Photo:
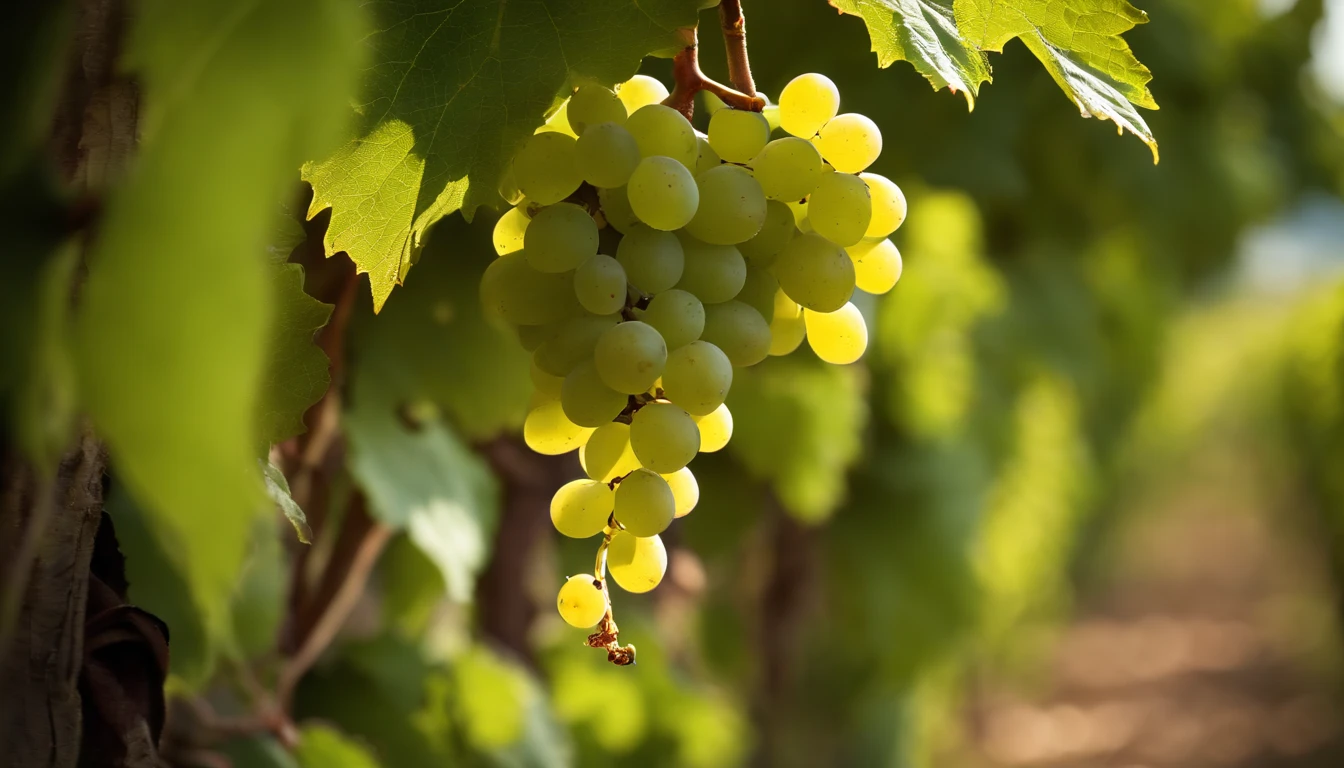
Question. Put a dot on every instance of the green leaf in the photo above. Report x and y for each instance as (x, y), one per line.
(277, 487)
(1079, 43)
(924, 33)
(454, 88)
(296, 369)
(321, 746)
(176, 308)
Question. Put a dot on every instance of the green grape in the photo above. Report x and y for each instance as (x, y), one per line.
(788, 168)
(640, 91)
(771, 115)
(630, 357)
(581, 601)
(840, 210)
(739, 331)
(877, 265)
(580, 508)
(587, 401)
(849, 142)
(664, 437)
(592, 104)
(788, 328)
(530, 337)
(838, 337)
(547, 168)
(888, 205)
(558, 122)
(600, 285)
(697, 377)
(653, 260)
(806, 103)
(779, 228)
(663, 132)
(716, 429)
(758, 292)
(607, 454)
(560, 238)
(644, 503)
(573, 342)
(816, 273)
(712, 103)
(677, 315)
(737, 135)
(544, 383)
(637, 564)
(616, 209)
(714, 273)
(731, 209)
(508, 234)
(519, 294)
(799, 211)
(549, 432)
(685, 491)
(706, 158)
(607, 155)
(663, 193)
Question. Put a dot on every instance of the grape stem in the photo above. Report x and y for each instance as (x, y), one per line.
(688, 80)
(734, 26)
(607, 636)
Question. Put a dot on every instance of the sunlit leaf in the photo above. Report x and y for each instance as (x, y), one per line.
(322, 746)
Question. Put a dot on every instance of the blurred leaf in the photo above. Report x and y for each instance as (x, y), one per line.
(321, 746)
(277, 487)
(176, 306)
(258, 752)
(296, 369)
(503, 713)
(412, 587)
(287, 233)
(797, 424)
(924, 33)
(453, 90)
(263, 589)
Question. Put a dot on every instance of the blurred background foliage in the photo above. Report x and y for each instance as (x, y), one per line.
(887, 552)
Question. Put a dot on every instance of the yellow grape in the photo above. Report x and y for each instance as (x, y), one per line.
(637, 564)
(581, 602)
(788, 328)
(607, 455)
(640, 91)
(580, 508)
(838, 337)
(888, 205)
(508, 234)
(685, 491)
(877, 265)
(547, 431)
(849, 142)
(807, 103)
(716, 429)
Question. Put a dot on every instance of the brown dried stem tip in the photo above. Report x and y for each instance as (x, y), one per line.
(689, 79)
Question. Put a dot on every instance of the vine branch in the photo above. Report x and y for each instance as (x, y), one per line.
(734, 26)
(689, 80)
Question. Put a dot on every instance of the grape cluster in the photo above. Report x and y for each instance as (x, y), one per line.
(643, 261)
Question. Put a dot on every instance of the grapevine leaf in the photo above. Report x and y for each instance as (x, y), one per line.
(454, 88)
(170, 343)
(277, 487)
(1079, 43)
(295, 374)
(924, 33)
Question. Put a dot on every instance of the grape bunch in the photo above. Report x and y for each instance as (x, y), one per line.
(643, 261)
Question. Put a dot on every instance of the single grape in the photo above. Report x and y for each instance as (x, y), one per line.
(788, 328)
(663, 132)
(840, 210)
(580, 508)
(888, 205)
(663, 193)
(758, 292)
(509, 229)
(607, 455)
(714, 273)
(640, 91)
(519, 294)
(587, 401)
(838, 337)
(592, 104)
(544, 383)
(549, 432)
(637, 564)
(653, 259)
(530, 337)
(787, 169)
(697, 377)
(849, 142)
(706, 158)
(676, 314)
(600, 285)
(779, 228)
(644, 503)
(807, 103)
(607, 155)
(581, 601)
(664, 437)
(630, 357)
(816, 273)
(731, 209)
(616, 210)
(737, 135)
(573, 343)
(558, 122)
(560, 238)
(877, 265)
(739, 331)
(547, 168)
(685, 491)
(716, 429)
(771, 115)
